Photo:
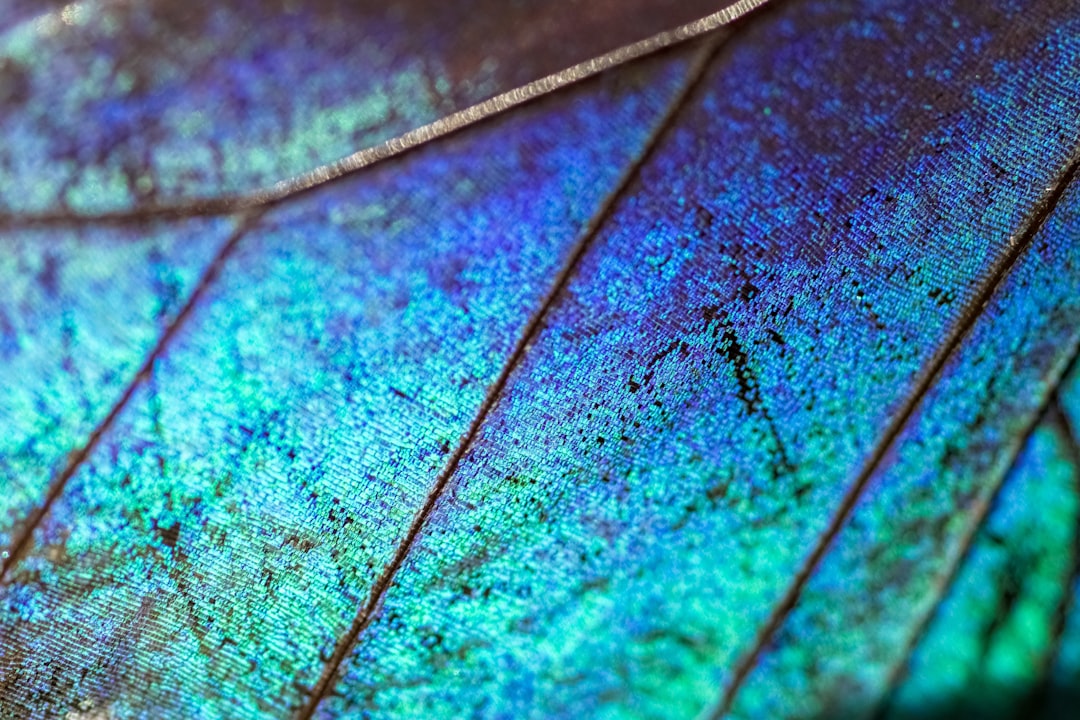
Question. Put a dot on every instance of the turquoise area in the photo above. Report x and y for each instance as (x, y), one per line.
(223, 535)
(758, 306)
(722, 364)
(80, 310)
(992, 639)
(846, 637)
(1065, 672)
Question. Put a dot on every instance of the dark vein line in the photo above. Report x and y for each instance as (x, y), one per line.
(400, 144)
(367, 612)
(978, 516)
(202, 208)
(22, 538)
(1072, 449)
(1062, 418)
(1069, 599)
(928, 378)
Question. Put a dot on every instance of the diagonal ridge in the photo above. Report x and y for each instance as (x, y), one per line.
(203, 208)
(400, 144)
(924, 383)
(22, 537)
(1050, 408)
(367, 612)
(1069, 598)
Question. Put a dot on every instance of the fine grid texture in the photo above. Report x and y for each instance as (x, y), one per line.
(633, 508)
(664, 510)
(228, 526)
(367, 611)
(993, 639)
(886, 568)
(74, 337)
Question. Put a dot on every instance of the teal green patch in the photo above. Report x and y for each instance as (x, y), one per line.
(845, 640)
(992, 638)
(221, 538)
(80, 311)
(722, 366)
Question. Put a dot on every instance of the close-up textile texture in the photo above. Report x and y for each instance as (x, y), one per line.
(521, 359)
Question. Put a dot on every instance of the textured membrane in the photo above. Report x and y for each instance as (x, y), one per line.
(219, 539)
(550, 417)
(717, 373)
(109, 104)
(79, 311)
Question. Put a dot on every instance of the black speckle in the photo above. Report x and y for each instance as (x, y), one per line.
(169, 535)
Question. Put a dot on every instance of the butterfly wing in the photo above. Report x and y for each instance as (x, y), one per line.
(236, 508)
(994, 647)
(193, 105)
(631, 403)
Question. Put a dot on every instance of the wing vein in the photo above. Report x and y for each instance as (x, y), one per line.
(925, 382)
(22, 537)
(1049, 408)
(368, 611)
(1069, 598)
(401, 144)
